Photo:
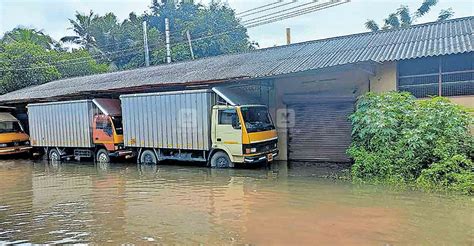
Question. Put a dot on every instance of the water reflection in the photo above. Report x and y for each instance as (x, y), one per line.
(120, 203)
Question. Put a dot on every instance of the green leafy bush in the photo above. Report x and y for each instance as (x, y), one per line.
(397, 138)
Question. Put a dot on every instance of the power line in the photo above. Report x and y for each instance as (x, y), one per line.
(296, 13)
(128, 41)
(282, 11)
(96, 55)
(269, 8)
(88, 57)
(251, 22)
(259, 7)
(80, 60)
(103, 54)
(293, 14)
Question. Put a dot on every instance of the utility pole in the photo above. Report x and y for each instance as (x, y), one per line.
(167, 33)
(145, 45)
(190, 44)
(288, 36)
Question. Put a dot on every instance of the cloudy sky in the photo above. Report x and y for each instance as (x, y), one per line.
(51, 16)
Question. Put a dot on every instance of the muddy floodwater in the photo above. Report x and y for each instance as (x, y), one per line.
(277, 205)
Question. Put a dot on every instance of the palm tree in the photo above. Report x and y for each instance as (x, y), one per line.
(82, 26)
(404, 18)
(30, 36)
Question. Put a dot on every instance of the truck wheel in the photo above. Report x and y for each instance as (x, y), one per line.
(221, 160)
(148, 157)
(54, 155)
(102, 156)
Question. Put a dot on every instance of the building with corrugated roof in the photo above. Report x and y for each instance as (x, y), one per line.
(311, 87)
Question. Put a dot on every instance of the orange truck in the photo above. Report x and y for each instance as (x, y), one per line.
(13, 139)
(78, 129)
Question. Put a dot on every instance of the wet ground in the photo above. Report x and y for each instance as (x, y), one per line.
(279, 205)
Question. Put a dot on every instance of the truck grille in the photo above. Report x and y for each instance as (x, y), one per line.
(263, 146)
(17, 143)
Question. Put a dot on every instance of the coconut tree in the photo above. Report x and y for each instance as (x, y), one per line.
(404, 18)
(82, 26)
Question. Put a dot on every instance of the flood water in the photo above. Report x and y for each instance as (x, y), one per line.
(277, 205)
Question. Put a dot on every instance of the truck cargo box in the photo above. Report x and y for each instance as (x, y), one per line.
(168, 120)
(62, 124)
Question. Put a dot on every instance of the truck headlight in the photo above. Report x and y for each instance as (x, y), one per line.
(3, 145)
(27, 143)
(250, 150)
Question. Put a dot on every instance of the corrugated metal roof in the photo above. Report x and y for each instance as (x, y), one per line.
(430, 39)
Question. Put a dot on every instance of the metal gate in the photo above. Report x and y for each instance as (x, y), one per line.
(321, 131)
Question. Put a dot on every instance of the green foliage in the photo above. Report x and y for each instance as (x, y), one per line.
(454, 173)
(30, 57)
(78, 63)
(215, 27)
(397, 138)
(24, 64)
(25, 35)
(404, 18)
(372, 25)
(445, 14)
(122, 43)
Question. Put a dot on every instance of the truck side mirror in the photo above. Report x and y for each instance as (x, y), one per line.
(235, 122)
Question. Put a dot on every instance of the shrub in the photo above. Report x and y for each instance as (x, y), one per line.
(399, 138)
(455, 173)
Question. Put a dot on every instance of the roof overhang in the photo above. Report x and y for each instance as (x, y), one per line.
(367, 67)
(108, 106)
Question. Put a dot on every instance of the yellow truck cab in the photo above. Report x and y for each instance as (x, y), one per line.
(245, 132)
(13, 139)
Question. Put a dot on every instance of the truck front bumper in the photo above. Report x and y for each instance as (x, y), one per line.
(14, 150)
(262, 157)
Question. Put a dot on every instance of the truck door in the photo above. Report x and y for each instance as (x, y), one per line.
(228, 132)
(103, 132)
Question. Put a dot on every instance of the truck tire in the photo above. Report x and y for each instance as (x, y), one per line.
(102, 156)
(148, 157)
(221, 160)
(54, 155)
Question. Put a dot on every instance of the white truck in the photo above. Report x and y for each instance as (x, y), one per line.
(193, 126)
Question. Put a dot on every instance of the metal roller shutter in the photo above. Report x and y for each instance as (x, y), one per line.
(321, 132)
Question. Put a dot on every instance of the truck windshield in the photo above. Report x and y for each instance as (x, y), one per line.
(10, 127)
(257, 119)
(117, 120)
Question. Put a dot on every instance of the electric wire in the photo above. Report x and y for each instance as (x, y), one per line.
(268, 9)
(296, 13)
(281, 11)
(258, 8)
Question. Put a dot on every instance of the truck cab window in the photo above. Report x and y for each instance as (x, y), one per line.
(257, 119)
(229, 117)
(105, 125)
(118, 124)
(10, 127)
